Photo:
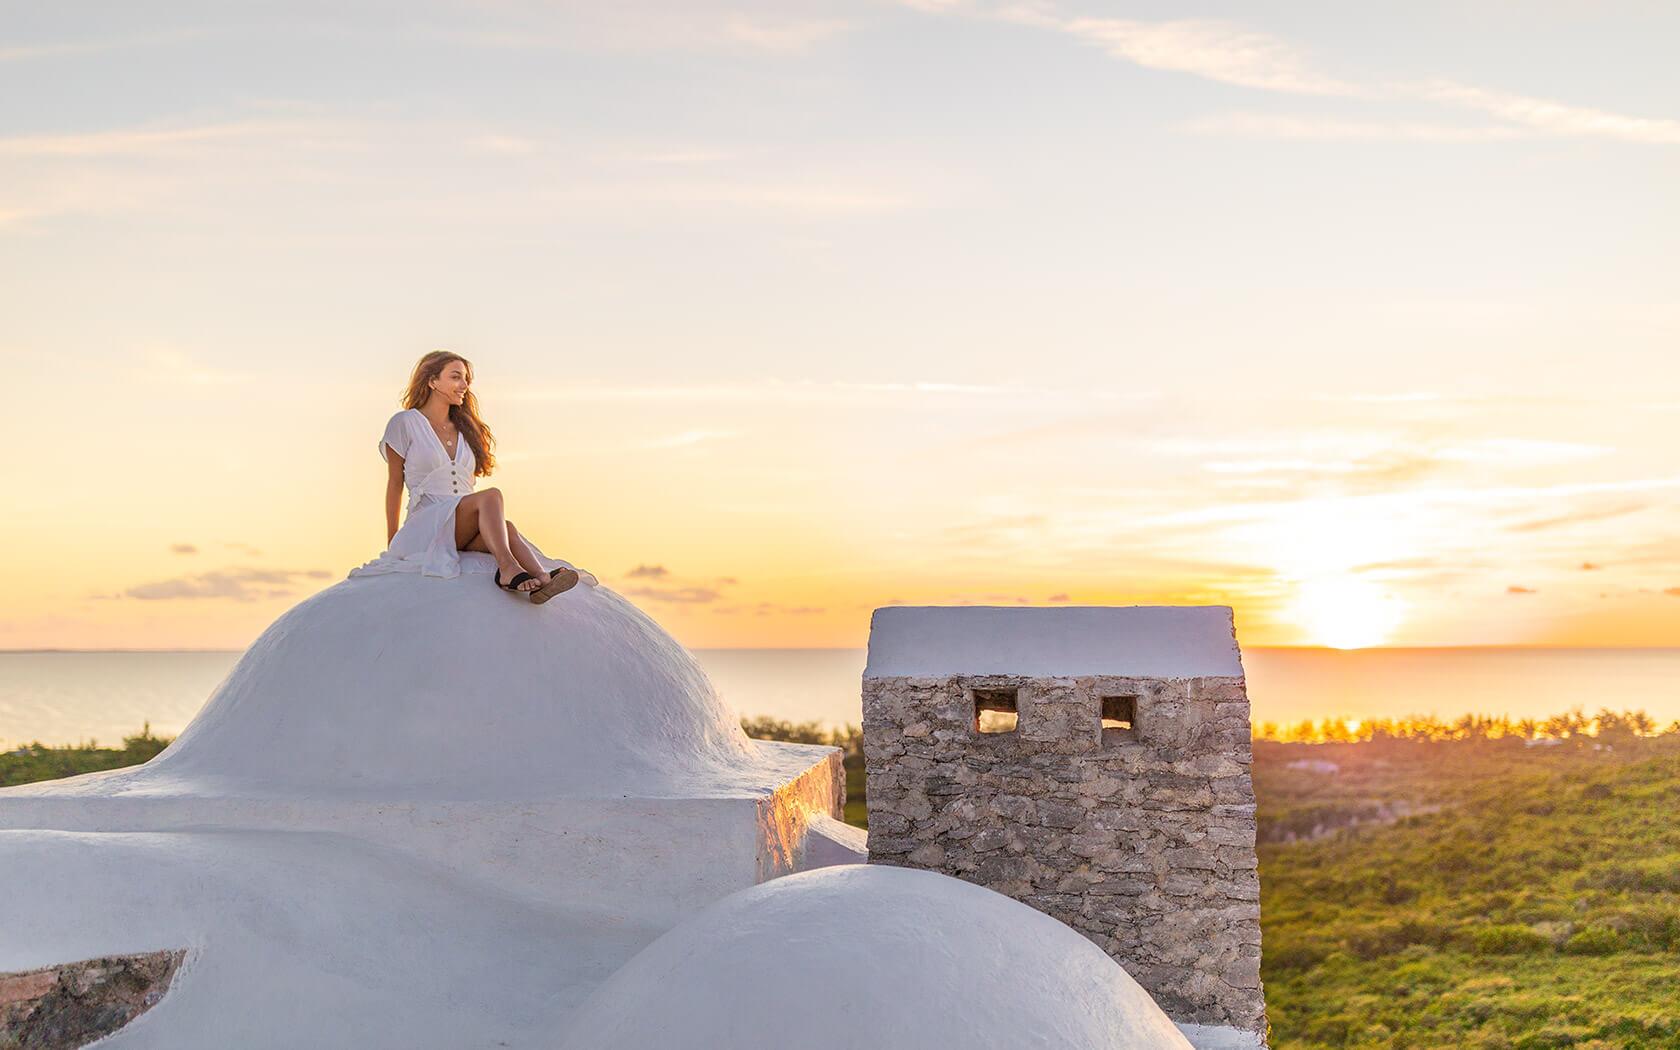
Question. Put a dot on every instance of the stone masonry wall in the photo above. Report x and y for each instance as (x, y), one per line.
(1142, 839)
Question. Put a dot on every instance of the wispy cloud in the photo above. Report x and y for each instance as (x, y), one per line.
(677, 595)
(782, 35)
(635, 27)
(1217, 50)
(1518, 589)
(237, 584)
(173, 367)
(687, 438)
(770, 609)
(647, 572)
(1555, 118)
(1578, 517)
(182, 548)
(835, 392)
(1230, 53)
(1322, 129)
(142, 140)
(74, 48)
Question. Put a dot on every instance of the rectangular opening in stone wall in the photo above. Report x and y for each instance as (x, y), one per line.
(1119, 717)
(994, 710)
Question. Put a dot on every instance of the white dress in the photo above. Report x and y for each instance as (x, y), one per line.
(435, 483)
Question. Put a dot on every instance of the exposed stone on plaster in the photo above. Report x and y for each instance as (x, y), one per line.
(1141, 841)
(73, 1004)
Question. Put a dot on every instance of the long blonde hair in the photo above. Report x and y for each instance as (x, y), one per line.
(474, 431)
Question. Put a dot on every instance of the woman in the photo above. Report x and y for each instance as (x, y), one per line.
(436, 447)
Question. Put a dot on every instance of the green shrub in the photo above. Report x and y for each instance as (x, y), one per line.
(1507, 939)
(1594, 940)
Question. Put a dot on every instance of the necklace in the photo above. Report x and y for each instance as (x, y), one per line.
(456, 432)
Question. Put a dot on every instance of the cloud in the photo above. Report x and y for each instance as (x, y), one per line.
(647, 572)
(1319, 129)
(1229, 53)
(830, 392)
(145, 141)
(1576, 517)
(782, 35)
(153, 167)
(1209, 48)
(678, 595)
(1521, 452)
(1058, 598)
(175, 369)
(771, 609)
(1672, 592)
(687, 438)
(1555, 118)
(183, 548)
(237, 584)
(1387, 466)
(635, 27)
(1515, 589)
(1588, 566)
(32, 52)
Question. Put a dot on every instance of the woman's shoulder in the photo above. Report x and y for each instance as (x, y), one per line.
(402, 415)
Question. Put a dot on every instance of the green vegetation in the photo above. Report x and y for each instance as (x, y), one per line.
(1533, 900)
(36, 761)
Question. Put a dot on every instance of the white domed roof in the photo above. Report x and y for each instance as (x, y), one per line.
(420, 687)
(871, 956)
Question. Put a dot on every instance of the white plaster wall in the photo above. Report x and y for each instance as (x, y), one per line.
(303, 940)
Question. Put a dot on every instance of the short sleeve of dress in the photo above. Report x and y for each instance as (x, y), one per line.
(397, 435)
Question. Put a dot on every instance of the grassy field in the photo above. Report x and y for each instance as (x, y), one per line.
(1414, 893)
(1535, 902)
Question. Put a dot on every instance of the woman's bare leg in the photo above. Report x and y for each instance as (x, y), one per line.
(521, 552)
(480, 515)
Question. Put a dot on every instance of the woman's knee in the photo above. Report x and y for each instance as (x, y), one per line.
(490, 495)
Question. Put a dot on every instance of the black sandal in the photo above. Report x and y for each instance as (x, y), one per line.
(511, 585)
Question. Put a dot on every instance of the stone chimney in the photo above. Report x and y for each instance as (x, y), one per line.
(1092, 763)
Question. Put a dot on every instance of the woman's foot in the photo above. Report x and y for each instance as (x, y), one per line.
(560, 581)
(505, 577)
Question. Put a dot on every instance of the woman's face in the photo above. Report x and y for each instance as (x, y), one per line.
(451, 383)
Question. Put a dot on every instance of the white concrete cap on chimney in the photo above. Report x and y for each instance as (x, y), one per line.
(1138, 641)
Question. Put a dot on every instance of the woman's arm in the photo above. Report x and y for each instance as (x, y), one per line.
(393, 491)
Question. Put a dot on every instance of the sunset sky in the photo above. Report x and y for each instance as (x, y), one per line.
(1362, 319)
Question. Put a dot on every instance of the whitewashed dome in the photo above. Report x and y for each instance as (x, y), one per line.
(871, 956)
(401, 685)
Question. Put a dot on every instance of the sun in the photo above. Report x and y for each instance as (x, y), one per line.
(1344, 612)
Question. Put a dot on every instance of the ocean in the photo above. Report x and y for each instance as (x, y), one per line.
(63, 697)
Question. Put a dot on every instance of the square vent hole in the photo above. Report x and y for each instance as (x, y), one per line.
(1119, 717)
(994, 710)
